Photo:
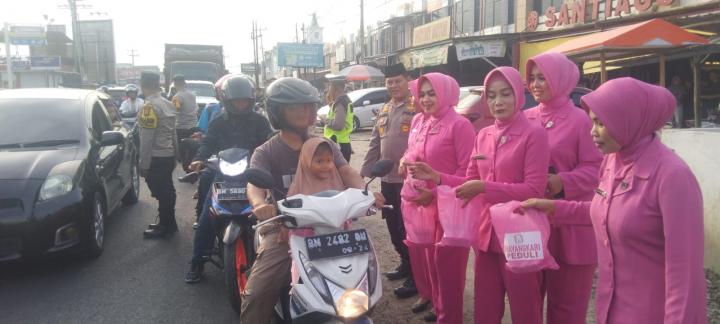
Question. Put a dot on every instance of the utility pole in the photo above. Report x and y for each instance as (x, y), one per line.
(8, 60)
(77, 37)
(132, 59)
(254, 37)
(362, 30)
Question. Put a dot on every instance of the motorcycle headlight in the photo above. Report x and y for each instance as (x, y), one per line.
(316, 279)
(233, 169)
(353, 303)
(55, 186)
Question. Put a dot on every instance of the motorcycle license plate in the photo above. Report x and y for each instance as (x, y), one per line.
(230, 193)
(337, 244)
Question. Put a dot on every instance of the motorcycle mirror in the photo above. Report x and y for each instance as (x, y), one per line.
(381, 168)
(259, 178)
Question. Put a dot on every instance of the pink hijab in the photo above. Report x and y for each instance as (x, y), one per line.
(562, 76)
(304, 181)
(511, 76)
(446, 89)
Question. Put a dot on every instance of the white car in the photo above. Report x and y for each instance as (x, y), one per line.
(204, 92)
(366, 104)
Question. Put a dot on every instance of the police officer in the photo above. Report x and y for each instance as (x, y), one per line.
(186, 105)
(388, 142)
(157, 152)
(339, 120)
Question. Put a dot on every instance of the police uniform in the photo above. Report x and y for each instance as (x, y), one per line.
(186, 106)
(339, 123)
(388, 142)
(156, 122)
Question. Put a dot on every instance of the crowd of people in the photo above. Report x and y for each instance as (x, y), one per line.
(619, 201)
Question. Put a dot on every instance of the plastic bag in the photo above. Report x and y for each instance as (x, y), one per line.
(460, 225)
(523, 235)
(420, 222)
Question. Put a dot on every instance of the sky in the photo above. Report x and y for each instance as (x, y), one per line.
(146, 26)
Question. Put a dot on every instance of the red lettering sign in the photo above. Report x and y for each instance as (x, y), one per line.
(575, 12)
(642, 6)
(622, 5)
(578, 11)
(550, 15)
(564, 17)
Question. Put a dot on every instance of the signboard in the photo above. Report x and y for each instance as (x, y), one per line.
(429, 33)
(27, 35)
(17, 65)
(39, 63)
(432, 56)
(247, 68)
(300, 55)
(588, 11)
(471, 50)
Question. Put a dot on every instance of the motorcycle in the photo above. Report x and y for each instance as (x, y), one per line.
(339, 277)
(234, 249)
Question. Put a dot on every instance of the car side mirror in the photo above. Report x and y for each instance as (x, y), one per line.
(110, 138)
(366, 102)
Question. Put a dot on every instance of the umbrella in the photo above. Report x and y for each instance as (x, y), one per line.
(361, 72)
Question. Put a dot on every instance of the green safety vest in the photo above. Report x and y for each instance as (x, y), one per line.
(343, 135)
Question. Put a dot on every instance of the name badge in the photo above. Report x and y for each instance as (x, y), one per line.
(549, 124)
(434, 130)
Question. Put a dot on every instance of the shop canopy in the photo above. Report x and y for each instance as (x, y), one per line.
(641, 38)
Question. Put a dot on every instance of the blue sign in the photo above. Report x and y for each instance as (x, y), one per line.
(45, 63)
(28, 41)
(300, 55)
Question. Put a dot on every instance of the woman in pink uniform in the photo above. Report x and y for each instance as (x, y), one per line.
(443, 139)
(572, 175)
(647, 212)
(509, 162)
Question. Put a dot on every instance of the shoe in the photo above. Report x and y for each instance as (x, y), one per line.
(407, 290)
(430, 317)
(195, 274)
(401, 272)
(420, 306)
(191, 177)
(158, 232)
(153, 226)
(195, 225)
(170, 229)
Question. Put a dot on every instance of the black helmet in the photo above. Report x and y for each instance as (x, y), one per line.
(287, 91)
(237, 87)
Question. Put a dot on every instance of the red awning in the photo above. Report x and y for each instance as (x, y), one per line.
(644, 37)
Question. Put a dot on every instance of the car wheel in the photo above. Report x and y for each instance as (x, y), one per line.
(95, 237)
(356, 124)
(133, 194)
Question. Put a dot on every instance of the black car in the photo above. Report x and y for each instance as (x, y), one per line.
(66, 162)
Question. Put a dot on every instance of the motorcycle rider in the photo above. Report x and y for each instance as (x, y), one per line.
(131, 105)
(237, 126)
(291, 105)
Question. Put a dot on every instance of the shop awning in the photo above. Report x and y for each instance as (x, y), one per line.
(645, 37)
(430, 56)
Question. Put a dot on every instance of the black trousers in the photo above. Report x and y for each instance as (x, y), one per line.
(393, 219)
(160, 182)
(346, 150)
(207, 177)
(183, 151)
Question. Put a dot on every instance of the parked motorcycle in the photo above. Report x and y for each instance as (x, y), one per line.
(339, 276)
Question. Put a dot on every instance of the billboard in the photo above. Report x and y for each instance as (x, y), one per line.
(45, 63)
(300, 55)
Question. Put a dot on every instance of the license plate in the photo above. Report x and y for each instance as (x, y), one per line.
(337, 244)
(231, 193)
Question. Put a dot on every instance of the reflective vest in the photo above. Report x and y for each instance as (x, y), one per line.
(343, 135)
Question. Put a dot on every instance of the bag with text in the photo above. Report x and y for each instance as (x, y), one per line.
(523, 235)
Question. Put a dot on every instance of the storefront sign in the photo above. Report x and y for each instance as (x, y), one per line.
(575, 12)
(432, 32)
(432, 5)
(471, 50)
(425, 57)
(27, 35)
(300, 55)
(247, 68)
(39, 63)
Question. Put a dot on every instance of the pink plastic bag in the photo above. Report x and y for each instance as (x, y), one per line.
(460, 225)
(523, 235)
(420, 222)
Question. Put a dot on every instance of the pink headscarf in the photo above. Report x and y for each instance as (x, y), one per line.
(446, 89)
(631, 110)
(561, 74)
(511, 76)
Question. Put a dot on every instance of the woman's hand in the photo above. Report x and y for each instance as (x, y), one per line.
(546, 206)
(424, 198)
(402, 167)
(554, 186)
(469, 190)
(422, 171)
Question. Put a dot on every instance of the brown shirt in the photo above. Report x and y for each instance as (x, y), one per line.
(389, 138)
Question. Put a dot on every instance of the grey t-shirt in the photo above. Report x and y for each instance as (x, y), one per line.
(281, 161)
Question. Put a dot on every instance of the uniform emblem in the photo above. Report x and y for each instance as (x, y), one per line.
(503, 139)
(405, 128)
(148, 118)
(549, 124)
(411, 104)
(176, 102)
(381, 130)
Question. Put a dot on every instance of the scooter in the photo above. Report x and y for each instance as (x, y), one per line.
(234, 251)
(339, 277)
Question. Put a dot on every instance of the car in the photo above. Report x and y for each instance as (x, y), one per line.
(67, 161)
(118, 94)
(366, 104)
(204, 92)
(470, 105)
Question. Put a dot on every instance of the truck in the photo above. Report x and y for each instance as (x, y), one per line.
(195, 62)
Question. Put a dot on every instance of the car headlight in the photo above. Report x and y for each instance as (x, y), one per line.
(353, 303)
(316, 279)
(55, 186)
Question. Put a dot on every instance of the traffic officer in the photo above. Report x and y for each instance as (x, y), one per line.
(157, 152)
(388, 141)
(339, 120)
(187, 116)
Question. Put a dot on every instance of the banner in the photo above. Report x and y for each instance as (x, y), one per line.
(44, 63)
(300, 55)
(432, 32)
(477, 49)
(425, 57)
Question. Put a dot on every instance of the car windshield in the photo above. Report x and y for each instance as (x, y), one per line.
(40, 122)
(201, 90)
